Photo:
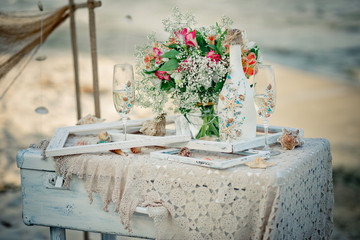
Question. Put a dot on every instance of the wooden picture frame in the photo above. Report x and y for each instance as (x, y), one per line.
(229, 147)
(57, 147)
(222, 161)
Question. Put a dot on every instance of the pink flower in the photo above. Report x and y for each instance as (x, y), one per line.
(213, 56)
(181, 34)
(162, 75)
(190, 39)
(157, 52)
(157, 55)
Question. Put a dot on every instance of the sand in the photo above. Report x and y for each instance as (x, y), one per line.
(322, 107)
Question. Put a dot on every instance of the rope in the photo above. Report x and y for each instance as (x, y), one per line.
(234, 37)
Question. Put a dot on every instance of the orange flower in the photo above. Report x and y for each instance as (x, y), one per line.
(251, 71)
(227, 47)
(211, 40)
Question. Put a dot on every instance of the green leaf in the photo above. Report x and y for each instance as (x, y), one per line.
(223, 34)
(201, 42)
(219, 47)
(150, 72)
(172, 46)
(170, 54)
(167, 85)
(169, 65)
(214, 48)
(219, 86)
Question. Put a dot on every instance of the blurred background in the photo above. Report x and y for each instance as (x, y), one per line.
(314, 46)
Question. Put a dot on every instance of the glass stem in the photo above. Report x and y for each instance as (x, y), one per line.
(124, 119)
(266, 130)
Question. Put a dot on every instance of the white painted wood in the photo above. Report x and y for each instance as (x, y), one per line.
(109, 237)
(236, 146)
(59, 138)
(71, 208)
(31, 159)
(134, 141)
(57, 233)
(237, 159)
(56, 145)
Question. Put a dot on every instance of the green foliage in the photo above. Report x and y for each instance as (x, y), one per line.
(170, 54)
(169, 65)
(201, 42)
(167, 85)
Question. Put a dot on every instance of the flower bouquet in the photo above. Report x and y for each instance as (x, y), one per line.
(190, 67)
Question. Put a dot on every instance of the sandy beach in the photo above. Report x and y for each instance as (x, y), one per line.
(313, 47)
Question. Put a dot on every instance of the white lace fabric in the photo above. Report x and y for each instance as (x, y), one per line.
(291, 200)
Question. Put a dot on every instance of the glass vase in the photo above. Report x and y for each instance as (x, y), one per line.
(204, 123)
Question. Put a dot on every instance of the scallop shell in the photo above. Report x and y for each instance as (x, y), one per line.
(259, 163)
(81, 143)
(290, 139)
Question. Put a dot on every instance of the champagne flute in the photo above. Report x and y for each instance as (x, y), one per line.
(123, 91)
(265, 99)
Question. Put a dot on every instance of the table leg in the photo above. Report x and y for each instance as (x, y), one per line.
(57, 233)
(109, 237)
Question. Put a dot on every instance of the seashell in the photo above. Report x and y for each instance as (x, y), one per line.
(221, 97)
(290, 139)
(269, 87)
(259, 163)
(128, 84)
(81, 143)
(119, 151)
(230, 120)
(155, 127)
(104, 136)
(136, 150)
(185, 152)
(242, 97)
(89, 119)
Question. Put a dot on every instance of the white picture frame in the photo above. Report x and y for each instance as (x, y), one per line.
(57, 147)
(232, 159)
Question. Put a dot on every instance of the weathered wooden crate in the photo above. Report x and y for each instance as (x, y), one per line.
(45, 204)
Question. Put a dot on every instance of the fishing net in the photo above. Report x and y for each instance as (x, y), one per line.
(21, 35)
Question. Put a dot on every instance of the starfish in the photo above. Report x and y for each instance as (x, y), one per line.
(227, 131)
(259, 163)
(232, 104)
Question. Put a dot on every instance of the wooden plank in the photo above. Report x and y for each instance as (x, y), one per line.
(59, 139)
(112, 125)
(138, 141)
(56, 146)
(109, 237)
(57, 233)
(224, 160)
(31, 159)
(71, 208)
(205, 145)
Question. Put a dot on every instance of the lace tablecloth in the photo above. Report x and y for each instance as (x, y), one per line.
(291, 200)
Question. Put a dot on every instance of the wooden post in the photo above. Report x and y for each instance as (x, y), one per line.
(109, 237)
(75, 57)
(91, 7)
(57, 233)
